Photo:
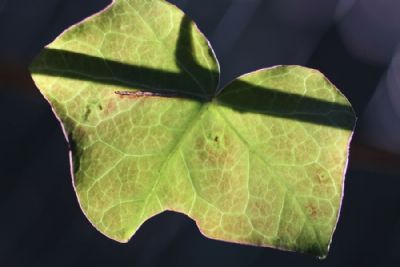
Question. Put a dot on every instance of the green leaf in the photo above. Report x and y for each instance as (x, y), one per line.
(259, 162)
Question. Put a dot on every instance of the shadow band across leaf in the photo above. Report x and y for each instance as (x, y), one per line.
(242, 96)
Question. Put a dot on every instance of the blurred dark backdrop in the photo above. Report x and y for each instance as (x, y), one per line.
(354, 42)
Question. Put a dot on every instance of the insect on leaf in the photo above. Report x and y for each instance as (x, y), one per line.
(259, 162)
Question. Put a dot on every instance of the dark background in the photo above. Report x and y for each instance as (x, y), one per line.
(354, 42)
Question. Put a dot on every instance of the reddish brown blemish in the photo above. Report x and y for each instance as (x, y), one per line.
(199, 144)
(110, 107)
(79, 133)
(320, 178)
(312, 210)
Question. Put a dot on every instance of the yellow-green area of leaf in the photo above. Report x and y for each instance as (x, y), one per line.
(260, 162)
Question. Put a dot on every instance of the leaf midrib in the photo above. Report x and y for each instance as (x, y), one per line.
(195, 119)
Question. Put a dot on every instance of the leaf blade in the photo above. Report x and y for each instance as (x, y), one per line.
(147, 136)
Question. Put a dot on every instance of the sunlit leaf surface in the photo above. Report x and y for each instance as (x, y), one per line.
(260, 162)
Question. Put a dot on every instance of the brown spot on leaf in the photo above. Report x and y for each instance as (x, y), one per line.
(199, 144)
(79, 133)
(321, 178)
(110, 107)
(87, 113)
(312, 210)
